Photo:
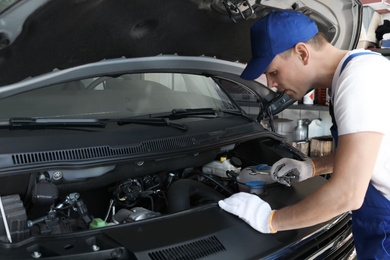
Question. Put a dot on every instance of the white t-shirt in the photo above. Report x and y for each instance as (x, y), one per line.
(361, 101)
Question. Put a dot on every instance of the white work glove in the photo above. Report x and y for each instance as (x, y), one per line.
(250, 208)
(288, 170)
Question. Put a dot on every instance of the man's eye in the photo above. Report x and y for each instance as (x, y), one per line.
(273, 73)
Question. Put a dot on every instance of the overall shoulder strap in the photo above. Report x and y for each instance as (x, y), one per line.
(350, 57)
(333, 129)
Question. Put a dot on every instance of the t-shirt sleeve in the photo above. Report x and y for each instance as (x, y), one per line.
(362, 99)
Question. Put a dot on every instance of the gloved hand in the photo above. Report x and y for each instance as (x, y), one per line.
(289, 170)
(250, 208)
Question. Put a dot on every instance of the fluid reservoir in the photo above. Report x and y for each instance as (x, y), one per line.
(220, 167)
(253, 179)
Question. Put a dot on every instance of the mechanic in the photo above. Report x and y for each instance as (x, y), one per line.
(295, 57)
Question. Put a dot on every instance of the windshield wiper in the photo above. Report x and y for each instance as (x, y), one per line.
(166, 118)
(161, 119)
(183, 113)
(31, 123)
(152, 121)
(199, 112)
(179, 113)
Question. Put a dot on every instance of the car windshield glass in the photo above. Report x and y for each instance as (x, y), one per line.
(129, 95)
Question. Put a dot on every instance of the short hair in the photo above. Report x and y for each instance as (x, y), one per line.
(317, 42)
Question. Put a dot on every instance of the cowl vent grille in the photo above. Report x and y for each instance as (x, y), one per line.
(62, 155)
(191, 251)
(100, 152)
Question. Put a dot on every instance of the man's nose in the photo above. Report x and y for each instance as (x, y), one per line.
(271, 83)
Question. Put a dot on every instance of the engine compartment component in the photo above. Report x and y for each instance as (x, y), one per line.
(13, 219)
(49, 209)
(135, 214)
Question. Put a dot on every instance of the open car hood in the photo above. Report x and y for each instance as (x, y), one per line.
(42, 35)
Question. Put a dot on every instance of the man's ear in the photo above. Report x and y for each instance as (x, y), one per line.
(302, 51)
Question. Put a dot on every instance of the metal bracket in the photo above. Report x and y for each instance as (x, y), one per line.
(238, 6)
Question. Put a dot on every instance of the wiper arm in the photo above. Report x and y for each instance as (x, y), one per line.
(200, 112)
(161, 119)
(31, 123)
(178, 113)
(153, 121)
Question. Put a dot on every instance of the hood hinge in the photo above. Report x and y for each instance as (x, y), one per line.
(238, 6)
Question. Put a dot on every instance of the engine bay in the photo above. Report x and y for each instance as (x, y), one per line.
(67, 201)
(158, 209)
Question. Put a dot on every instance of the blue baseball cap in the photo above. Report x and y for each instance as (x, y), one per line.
(274, 34)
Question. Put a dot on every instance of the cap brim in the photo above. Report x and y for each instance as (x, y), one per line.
(256, 67)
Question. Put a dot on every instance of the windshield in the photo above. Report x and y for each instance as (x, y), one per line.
(129, 95)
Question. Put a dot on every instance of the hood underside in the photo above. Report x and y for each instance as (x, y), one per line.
(53, 34)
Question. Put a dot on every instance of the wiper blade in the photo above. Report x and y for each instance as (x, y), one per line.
(200, 112)
(153, 121)
(30, 123)
(178, 113)
(161, 119)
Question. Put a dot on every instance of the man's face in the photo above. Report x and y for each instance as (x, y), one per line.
(288, 76)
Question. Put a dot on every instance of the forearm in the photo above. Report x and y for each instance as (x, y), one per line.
(324, 164)
(321, 206)
(353, 167)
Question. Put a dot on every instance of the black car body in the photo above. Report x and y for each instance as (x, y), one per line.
(111, 112)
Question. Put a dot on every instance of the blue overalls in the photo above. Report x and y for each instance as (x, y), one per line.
(370, 223)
